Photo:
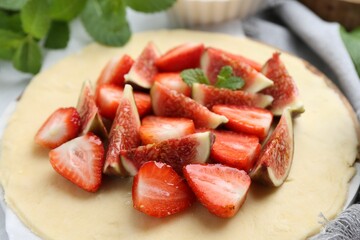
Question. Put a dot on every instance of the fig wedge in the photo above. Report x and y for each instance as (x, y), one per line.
(275, 159)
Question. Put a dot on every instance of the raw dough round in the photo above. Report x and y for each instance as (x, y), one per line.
(53, 208)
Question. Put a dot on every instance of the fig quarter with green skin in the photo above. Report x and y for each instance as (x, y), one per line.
(284, 90)
(124, 133)
(275, 159)
(209, 96)
(143, 70)
(169, 103)
(176, 152)
(91, 120)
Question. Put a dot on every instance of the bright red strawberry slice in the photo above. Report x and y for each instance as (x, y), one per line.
(173, 81)
(177, 152)
(251, 120)
(235, 149)
(213, 60)
(181, 57)
(155, 129)
(159, 191)
(221, 189)
(115, 70)
(61, 126)
(284, 90)
(108, 97)
(169, 103)
(143, 70)
(124, 133)
(80, 161)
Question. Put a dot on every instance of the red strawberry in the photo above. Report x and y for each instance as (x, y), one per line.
(235, 149)
(221, 189)
(80, 161)
(251, 120)
(61, 126)
(173, 81)
(108, 97)
(115, 70)
(159, 191)
(181, 57)
(156, 129)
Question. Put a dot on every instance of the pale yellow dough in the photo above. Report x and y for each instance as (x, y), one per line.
(53, 208)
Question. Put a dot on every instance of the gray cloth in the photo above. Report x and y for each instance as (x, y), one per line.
(294, 28)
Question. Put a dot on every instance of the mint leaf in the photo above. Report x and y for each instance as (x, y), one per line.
(226, 79)
(352, 44)
(58, 35)
(105, 21)
(28, 56)
(10, 22)
(35, 18)
(12, 4)
(191, 76)
(10, 41)
(149, 6)
(66, 10)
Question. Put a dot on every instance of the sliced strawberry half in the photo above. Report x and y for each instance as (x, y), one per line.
(177, 152)
(173, 81)
(221, 189)
(124, 133)
(143, 70)
(108, 97)
(155, 129)
(61, 126)
(159, 191)
(80, 161)
(181, 57)
(251, 120)
(115, 70)
(235, 149)
(213, 60)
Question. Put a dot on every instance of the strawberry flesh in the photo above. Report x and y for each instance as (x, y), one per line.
(115, 70)
(173, 81)
(80, 161)
(159, 191)
(155, 129)
(61, 126)
(221, 189)
(250, 120)
(181, 57)
(108, 97)
(235, 149)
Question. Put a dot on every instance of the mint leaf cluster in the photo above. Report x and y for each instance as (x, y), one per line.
(225, 78)
(27, 26)
(352, 43)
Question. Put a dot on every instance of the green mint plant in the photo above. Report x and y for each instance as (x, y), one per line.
(26, 26)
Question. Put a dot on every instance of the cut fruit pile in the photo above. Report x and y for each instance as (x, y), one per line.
(189, 125)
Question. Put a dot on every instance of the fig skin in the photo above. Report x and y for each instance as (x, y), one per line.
(279, 147)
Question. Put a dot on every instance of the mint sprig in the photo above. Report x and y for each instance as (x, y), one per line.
(352, 44)
(225, 78)
(191, 76)
(26, 26)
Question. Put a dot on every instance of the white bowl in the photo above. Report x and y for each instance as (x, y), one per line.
(187, 13)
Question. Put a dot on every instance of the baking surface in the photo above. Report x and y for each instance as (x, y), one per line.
(44, 200)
